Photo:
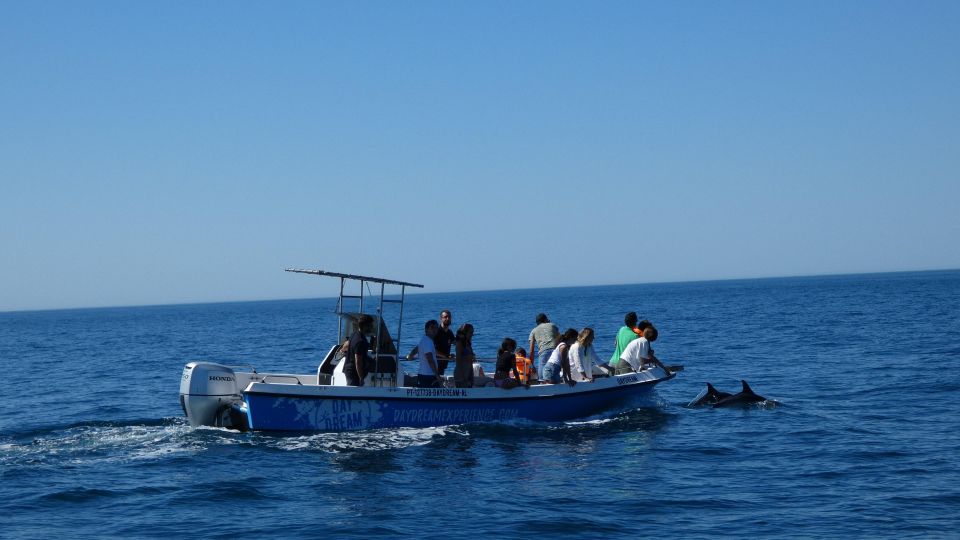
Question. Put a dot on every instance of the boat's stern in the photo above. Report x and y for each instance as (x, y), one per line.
(210, 396)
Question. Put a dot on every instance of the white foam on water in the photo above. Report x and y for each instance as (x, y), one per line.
(384, 439)
(86, 445)
(594, 422)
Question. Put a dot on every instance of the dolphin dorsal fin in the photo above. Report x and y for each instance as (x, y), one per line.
(746, 388)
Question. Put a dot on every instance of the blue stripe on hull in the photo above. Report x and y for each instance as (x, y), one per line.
(275, 412)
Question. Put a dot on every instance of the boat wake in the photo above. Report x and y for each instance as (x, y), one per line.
(374, 440)
(97, 442)
(94, 443)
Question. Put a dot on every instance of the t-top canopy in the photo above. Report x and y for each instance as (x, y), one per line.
(352, 321)
(352, 276)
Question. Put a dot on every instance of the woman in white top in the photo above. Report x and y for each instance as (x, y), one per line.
(583, 357)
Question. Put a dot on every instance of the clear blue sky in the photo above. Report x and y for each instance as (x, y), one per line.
(166, 152)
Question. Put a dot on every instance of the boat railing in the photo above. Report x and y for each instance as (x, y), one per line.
(288, 377)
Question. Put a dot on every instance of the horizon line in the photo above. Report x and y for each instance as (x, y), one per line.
(255, 300)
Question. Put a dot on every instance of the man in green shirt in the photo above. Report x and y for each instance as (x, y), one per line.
(625, 335)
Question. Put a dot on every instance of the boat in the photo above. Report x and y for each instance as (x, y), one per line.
(241, 398)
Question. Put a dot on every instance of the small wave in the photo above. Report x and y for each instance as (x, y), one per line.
(700, 451)
(78, 495)
(588, 527)
(631, 421)
(766, 404)
(82, 495)
(225, 491)
(879, 454)
(701, 503)
(825, 475)
(812, 432)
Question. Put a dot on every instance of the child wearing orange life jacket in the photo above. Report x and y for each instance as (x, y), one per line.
(641, 326)
(525, 367)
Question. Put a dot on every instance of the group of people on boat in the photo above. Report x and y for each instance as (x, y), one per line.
(567, 357)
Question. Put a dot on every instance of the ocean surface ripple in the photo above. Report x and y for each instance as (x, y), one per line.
(863, 443)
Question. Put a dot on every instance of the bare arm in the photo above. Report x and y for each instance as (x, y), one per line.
(513, 366)
(359, 364)
(657, 362)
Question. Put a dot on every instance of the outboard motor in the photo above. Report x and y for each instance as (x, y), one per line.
(210, 396)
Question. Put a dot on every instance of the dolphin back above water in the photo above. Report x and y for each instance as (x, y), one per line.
(710, 396)
(745, 396)
(718, 398)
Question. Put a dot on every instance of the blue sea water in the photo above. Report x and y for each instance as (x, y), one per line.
(93, 443)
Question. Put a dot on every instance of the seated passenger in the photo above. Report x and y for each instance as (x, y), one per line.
(638, 353)
(506, 364)
(525, 367)
(557, 367)
(583, 357)
(463, 372)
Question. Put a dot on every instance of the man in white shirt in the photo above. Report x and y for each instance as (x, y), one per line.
(638, 353)
(428, 376)
(442, 341)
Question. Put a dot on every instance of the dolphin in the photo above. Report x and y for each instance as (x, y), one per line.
(710, 396)
(743, 398)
